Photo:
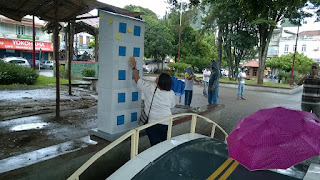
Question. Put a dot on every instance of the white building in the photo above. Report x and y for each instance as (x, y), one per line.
(308, 44)
(16, 38)
(283, 39)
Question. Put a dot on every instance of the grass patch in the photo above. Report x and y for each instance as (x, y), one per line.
(254, 82)
(41, 82)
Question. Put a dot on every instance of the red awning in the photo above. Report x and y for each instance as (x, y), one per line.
(18, 44)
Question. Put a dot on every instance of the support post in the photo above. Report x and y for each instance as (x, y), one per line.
(34, 45)
(96, 46)
(56, 57)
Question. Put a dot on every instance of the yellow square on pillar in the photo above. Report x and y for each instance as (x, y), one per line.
(101, 15)
(130, 30)
(118, 37)
(110, 20)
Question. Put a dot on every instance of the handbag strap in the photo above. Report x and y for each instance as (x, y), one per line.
(152, 101)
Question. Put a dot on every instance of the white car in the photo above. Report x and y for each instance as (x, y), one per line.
(46, 65)
(17, 60)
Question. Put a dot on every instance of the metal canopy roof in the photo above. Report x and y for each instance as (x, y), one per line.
(66, 9)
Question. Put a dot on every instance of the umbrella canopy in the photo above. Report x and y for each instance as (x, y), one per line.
(275, 138)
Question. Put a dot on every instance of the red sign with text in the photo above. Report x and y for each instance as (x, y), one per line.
(25, 45)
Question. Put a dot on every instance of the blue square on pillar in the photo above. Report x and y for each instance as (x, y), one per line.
(122, 74)
(120, 120)
(123, 27)
(133, 117)
(137, 30)
(136, 52)
(121, 97)
(138, 73)
(122, 51)
(135, 96)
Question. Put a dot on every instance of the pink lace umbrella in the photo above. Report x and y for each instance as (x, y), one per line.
(275, 138)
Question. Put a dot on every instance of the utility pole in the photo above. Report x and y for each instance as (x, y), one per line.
(294, 55)
(179, 33)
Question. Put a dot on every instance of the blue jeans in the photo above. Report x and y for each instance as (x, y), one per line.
(157, 133)
(188, 97)
(240, 90)
(213, 96)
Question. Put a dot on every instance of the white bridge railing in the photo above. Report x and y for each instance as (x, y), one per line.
(134, 134)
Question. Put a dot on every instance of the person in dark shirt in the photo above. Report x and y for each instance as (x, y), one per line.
(311, 91)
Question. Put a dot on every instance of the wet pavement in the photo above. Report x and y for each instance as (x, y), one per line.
(34, 132)
(46, 72)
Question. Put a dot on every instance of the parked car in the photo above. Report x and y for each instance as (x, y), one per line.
(37, 63)
(46, 65)
(17, 60)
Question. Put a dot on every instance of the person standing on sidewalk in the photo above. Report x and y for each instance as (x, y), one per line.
(213, 88)
(189, 78)
(311, 91)
(241, 83)
(206, 77)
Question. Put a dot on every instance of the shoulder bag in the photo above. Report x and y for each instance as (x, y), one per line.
(144, 119)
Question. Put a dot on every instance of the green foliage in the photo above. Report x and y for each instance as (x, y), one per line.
(88, 72)
(238, 36)
(63, 72)
(180, 67)
(284, 62)
(15, 74)
(286, 76)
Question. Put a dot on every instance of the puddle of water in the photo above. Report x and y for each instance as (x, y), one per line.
(29, 126)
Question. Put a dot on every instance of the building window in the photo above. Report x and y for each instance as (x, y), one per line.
(135, 96)
(255, 70)
(305, 22)
(121, 97)
(21, 30)
(123, 27)
(134, 117)
(286, 49)
(120, 120)
(88, 39)
(122, 75)
(136, 52)
(122, 51)
(137, 30)
(80, 39)
(304, 48)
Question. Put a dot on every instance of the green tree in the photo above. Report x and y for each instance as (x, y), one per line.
(158, 37)
(196, 47)
(284, 62)
(264, 15)
(236, 37)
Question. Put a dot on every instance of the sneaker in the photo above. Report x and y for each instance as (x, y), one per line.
(238, 98)
(243, 98)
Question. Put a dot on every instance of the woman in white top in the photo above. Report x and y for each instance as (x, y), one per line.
(163, 101)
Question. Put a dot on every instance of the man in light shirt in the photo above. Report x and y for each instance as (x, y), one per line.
(241, 83)
(206, 77)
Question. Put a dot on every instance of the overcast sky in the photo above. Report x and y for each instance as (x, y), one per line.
(158, 6)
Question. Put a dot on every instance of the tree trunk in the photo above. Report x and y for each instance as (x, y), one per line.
(265, 36)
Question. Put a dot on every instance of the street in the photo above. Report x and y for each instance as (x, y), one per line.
(79, 114)
(238, 109)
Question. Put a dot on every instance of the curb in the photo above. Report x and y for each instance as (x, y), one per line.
(281, 90)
